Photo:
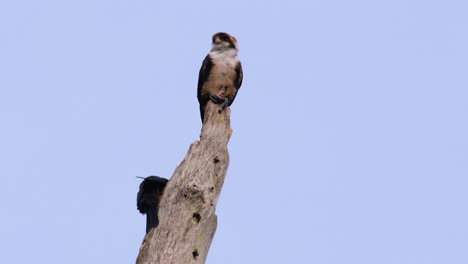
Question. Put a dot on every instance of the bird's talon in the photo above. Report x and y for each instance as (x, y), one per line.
(215, 99)
(223, 101)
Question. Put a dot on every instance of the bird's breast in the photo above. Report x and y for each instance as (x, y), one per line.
(222, 75)
(224, 60)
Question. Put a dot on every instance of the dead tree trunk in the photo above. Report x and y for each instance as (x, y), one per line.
(187, 219)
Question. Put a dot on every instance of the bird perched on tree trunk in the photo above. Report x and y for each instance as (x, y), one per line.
(148, 197)
(221, 74)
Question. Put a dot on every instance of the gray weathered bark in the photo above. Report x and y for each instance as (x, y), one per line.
(187, 219)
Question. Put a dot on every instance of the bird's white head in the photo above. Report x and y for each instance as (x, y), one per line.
(224, 42)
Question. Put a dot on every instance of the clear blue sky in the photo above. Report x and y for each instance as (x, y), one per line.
(350, 140)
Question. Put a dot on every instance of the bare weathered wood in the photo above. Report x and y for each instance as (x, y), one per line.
(187, 209)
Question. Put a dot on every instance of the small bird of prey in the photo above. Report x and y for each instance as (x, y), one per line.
(148, 197)
(221, 74)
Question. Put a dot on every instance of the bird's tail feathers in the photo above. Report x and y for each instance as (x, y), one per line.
(152, 220)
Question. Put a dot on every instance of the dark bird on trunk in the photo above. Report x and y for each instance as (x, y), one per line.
(148, 197)
(220, 75)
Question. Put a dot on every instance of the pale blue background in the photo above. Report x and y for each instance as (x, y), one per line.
(350, 140)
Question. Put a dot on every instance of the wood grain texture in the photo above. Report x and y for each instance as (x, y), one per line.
(187, 209)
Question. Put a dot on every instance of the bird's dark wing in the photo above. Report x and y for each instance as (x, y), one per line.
(237, 80)
(203, 76)
(239, 75)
